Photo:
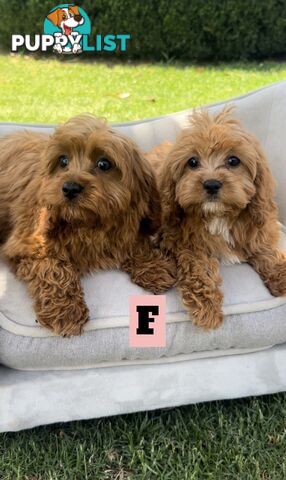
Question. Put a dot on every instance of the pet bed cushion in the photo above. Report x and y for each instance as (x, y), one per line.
(253, 318)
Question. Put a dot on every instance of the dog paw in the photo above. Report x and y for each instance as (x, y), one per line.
(66, 321)
(77, 48)
(276, 284)
(204, 305)
(208, 317)
(156, 276)
(58, 48)
(160, 278)
(165, 278)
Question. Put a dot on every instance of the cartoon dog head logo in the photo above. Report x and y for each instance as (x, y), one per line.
(66, 19)
(68, 23)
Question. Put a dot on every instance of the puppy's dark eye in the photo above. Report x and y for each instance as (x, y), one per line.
(63, 161)
(104, 164)
(193, 162)
(233, 161)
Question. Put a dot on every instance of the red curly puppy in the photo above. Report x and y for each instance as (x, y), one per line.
(82, 199)
(218, 204)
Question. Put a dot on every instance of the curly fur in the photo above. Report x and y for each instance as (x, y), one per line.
(239, 224)
(51, 241)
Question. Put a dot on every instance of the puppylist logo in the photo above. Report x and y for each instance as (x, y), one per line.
(67, 30)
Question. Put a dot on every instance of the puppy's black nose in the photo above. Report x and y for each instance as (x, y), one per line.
(212, 186)
(78, 18)
(71, 189)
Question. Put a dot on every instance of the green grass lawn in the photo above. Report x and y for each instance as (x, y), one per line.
(50, 91)
(242, 439)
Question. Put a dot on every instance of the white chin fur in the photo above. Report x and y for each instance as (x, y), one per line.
(213, 207)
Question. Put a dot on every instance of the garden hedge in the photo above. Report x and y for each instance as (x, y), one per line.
(195, 30)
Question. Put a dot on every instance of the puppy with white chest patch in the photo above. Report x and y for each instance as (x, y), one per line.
(218, 200)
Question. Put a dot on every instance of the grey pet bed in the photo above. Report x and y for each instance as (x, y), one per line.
(45, 378)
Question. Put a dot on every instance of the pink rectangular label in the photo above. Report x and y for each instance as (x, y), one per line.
(147, 326)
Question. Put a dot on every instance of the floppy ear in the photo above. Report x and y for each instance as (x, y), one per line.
(262, 203)
(172, 212)
(149, 193)
(74, 10)
(54, 16)
(158, 157)
(145, 198)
